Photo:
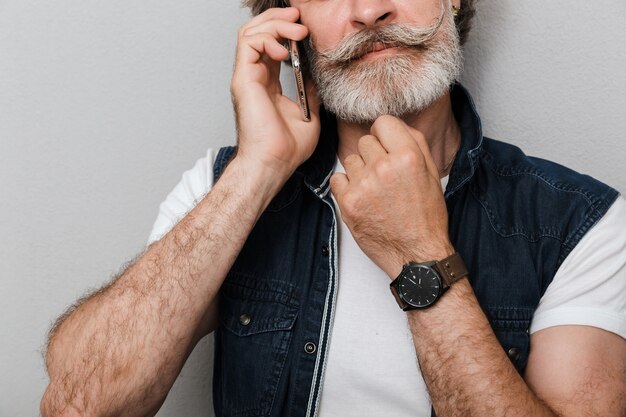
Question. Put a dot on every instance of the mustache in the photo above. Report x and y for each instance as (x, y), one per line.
(392, 35)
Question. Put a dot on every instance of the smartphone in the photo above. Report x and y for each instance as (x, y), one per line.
(296, 64)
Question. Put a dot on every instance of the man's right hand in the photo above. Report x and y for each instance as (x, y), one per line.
(119, 351)
(270, 128)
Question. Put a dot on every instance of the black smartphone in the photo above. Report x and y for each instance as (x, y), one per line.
(296, 64)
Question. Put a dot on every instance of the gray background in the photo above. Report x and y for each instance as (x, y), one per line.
(103, 105)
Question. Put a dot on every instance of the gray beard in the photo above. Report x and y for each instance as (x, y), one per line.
(399, 85)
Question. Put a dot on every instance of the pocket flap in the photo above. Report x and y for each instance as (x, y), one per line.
(511, 324)
(252, 306)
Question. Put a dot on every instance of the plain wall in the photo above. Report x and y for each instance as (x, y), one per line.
(103, 105)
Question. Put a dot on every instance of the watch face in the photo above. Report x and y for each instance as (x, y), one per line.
(419, 286)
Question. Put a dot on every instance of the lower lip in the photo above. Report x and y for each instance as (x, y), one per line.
(373, 55)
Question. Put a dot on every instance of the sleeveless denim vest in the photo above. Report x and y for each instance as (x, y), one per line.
(513, 219)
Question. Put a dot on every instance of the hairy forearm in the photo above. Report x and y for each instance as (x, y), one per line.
(465, 368)
(119, 352)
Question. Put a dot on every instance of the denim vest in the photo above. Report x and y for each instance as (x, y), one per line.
(513, 219)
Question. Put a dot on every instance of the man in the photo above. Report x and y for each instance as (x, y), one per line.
(291, 254)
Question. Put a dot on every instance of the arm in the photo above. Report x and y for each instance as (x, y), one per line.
(119, 352)
(579, 370)
(466, 370)
(572, 370)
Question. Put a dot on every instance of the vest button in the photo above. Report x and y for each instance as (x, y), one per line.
(513, 354)
(244, 319)
(309, 347)
(325, 250)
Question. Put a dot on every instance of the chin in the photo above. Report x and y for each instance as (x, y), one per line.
(395, 87)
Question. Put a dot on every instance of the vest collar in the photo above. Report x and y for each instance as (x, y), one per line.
(466, 159)
(319, 167)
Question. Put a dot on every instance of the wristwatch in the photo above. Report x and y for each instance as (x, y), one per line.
(420, 285)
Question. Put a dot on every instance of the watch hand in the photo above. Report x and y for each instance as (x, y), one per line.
(412, 281)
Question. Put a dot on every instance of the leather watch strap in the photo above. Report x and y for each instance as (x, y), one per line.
(451, 269)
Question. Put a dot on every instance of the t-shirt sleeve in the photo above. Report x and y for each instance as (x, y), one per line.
(191, 189)
(590, 286)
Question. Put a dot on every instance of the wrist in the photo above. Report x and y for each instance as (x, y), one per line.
(257, 179)
(424, 254)
(454, 300)
(420, 285)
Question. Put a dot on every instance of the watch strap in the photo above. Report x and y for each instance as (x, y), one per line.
(394, 290)
(451, 269)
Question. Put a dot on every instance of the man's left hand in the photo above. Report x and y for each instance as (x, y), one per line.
(391, 199)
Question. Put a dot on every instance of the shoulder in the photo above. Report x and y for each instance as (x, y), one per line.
(573, 298)
(536, 198)
(191, 188)
(507, 161)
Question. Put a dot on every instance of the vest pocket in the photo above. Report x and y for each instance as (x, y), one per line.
(511, 324)
(251, 344)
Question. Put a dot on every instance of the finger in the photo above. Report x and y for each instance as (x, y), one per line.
(291, 14)
(292, 107)
(398, 138)
(353, 164)
(280, 29)
(370, 149)
(420, 139)
(253, 48)
(254, 42)
(338, 185)
(274, 68)
(393, 134)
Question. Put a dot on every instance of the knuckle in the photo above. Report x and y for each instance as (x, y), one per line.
(350, 204)
(258, 41)
(368, 184)
(233, 91)
(235, 83)
(383, 168)
(243, 29)
(266, 37)
(410, 159)
(251, 31)
(335, 181)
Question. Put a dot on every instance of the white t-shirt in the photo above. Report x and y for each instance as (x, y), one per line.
(368, 328)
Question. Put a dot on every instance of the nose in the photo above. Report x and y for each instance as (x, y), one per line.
(371, 13)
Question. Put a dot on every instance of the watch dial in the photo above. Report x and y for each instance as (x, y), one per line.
(419, 286)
